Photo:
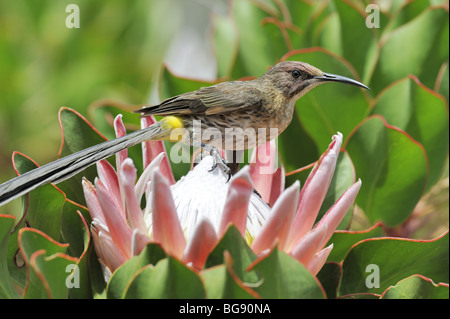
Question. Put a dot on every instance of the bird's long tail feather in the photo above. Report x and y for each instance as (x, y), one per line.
(70, 165)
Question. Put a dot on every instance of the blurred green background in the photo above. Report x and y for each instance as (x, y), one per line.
(141, 51)
(116, 53)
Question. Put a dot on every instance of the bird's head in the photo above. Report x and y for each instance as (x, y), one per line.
(294, 78)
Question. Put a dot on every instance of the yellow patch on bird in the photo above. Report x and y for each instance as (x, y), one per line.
(175, 125)
(171, 122)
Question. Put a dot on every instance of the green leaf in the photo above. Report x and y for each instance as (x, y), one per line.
(401, 55)
(442, 83)
(393, 168)
(48, 266)
(258, 48)
(75, 231)
(49, 276)
(45, 203)
(421, 113)
(346, 35)
(330, 32)
(219, 283)
(343, 241)
(282, 276)
(329, 277)
(169, 278)
(403, 13)
(47, 211)
(74, 228)
(240, 252)
(6, 288)
(304, 16)
(225, 40)
(416, 287)
(121, 278)
(77, 134)
(395, 259)
(15, 261)
(31, 240)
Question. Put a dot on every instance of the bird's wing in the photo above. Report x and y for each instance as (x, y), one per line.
(215, 99)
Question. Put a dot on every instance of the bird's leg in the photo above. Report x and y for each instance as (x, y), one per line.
(232, 157)
(217, 158)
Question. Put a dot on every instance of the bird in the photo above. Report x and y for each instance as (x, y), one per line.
(232, 115)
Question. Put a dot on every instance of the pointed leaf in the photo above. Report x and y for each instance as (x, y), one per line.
(48, 266)
(344, 240)
(416, 287)
(401, 55)
(248, 18)
(344, 34)
(329, 277)
(240, 252)
(45, 203)
(6, 287)
(393, 168)
(120, 279)
(77, 134)
(225, 44)
(410, 106)
(284, 277)
(169, 278)
(75, 231)
(219, 284)
(395, 259)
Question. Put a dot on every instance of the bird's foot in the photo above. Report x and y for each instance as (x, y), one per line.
(218, 160)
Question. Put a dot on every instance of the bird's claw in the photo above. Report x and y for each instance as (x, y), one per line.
(219, 160)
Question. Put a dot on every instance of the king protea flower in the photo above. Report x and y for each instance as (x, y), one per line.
(187, 218)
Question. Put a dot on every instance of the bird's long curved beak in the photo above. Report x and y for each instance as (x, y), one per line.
(328, 77)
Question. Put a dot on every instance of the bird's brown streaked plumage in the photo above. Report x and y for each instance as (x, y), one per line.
(220, 98)
(253, 107)
(265, 102)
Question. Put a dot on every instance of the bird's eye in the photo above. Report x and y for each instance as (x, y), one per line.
(295, 73)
